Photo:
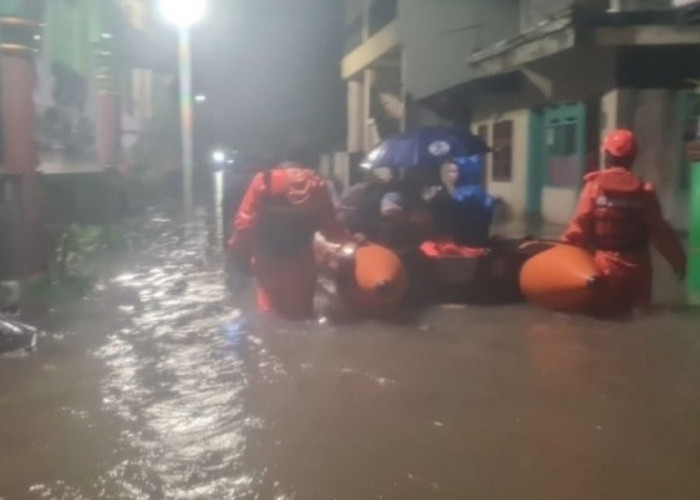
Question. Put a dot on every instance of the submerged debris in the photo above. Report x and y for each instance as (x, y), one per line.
(16, 335)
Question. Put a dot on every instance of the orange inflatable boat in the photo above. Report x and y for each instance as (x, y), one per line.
(477, 275)
(562, 277)
(366, 278)
(371, 279)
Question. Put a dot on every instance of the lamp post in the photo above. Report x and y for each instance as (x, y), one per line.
(184, 14)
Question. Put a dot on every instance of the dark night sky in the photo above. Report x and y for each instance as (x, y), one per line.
(270, 69)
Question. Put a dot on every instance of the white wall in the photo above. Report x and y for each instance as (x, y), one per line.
(436, 43)
(558, 204)
(514, 193)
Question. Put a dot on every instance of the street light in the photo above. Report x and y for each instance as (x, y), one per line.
(183, 14)
(218, 156)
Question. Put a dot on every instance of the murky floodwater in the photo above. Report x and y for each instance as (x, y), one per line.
(137, 393)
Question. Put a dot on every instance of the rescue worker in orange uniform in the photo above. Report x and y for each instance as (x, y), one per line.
(619, 217)
(275, 225)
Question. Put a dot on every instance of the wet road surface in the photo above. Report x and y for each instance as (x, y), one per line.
(137, 393)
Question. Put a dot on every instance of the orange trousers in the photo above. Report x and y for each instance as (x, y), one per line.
(628, 281)
(286, 285)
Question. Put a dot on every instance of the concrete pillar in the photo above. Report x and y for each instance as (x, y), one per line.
(368, 81)
(354, 116)
(19, 136)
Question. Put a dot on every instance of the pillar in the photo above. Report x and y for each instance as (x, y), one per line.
(355, 116)
(368, 84)
(107, 120)
(18, 37)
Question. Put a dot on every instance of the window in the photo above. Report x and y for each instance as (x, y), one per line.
(502, 170)
(690, 116)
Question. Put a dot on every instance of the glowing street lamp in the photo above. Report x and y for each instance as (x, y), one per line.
(218, 156)
(184, 14)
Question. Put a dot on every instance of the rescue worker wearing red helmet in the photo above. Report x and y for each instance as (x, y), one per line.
(619, 217)
(274, 229)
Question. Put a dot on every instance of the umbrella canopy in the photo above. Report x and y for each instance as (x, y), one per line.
(425, 147)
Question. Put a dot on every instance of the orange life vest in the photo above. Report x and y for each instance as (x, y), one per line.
(287, 220)
(619, 219)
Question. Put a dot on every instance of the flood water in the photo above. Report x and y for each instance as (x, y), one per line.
(137, 393)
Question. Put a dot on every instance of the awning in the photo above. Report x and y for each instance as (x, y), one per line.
(455, 102)
(579, 27)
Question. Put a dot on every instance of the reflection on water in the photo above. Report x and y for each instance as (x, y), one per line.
(154, 388)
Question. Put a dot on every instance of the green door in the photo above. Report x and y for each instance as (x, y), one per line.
(694, 236)
(557, 152)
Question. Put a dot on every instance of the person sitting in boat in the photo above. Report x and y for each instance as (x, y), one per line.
(388, 212)
(401, 226)
(462, 208)
(358, 210)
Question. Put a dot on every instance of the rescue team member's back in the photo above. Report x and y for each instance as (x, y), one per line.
(619, 217)
(275, 224)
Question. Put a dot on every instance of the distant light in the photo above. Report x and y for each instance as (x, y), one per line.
(230, 162)
(218, 156)
(106, 36)
(200, 98)
(182, 13)
(37, 37)
(366, 165)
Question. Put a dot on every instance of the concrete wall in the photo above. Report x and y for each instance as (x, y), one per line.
(533, 12)
(558, 204)
(353, 10)
(514, 193)
(567, 77)
(654, 117)
(438, 35)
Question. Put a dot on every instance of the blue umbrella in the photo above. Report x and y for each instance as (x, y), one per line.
(425, 147)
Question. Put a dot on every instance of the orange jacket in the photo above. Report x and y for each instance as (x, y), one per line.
(659, 232)
(305, 191)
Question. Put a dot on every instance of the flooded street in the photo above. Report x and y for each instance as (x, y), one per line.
(138, 392)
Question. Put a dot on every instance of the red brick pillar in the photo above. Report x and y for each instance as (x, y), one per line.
(107, 128)
(17, 112)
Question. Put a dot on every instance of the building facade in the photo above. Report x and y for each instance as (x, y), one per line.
(400, 51)
(540, 80)
(66, 71)
(546, 96)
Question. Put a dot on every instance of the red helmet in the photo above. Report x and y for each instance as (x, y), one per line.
(620, 143)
